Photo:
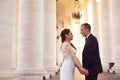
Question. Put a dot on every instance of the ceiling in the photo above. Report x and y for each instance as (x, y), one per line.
(65, 8)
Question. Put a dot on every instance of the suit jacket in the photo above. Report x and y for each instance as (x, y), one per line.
(90, 56)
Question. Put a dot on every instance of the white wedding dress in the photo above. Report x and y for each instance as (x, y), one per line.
(68, 66)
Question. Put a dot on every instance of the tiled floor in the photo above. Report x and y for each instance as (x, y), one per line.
(102, 76)
(109, 76)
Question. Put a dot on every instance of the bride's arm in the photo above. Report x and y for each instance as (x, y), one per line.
(75, 59)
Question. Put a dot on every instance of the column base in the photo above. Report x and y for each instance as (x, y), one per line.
(7, 73)
(32, 74)
(30, 71)
(31, 77)
(52, 70)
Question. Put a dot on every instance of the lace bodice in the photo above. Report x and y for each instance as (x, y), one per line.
(65, 52)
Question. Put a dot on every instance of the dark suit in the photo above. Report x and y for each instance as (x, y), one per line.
(91, 59)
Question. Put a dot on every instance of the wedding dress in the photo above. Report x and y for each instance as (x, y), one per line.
(68, 66)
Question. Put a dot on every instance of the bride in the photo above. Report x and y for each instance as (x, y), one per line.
(70, 59)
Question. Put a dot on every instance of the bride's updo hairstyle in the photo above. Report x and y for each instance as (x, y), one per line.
(63, 33)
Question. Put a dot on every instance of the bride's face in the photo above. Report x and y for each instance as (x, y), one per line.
(69, 36)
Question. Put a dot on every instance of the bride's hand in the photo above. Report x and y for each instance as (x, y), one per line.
(83, 71)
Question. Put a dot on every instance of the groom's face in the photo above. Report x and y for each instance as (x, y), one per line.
(83, 31)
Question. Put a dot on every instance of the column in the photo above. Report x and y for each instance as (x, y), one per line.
(30, 37)
(50, 35)
(105, 34)
(95, 25)
(6, 25)
(15, 35)
(115, 33)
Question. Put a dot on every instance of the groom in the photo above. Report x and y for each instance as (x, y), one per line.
(90, 56)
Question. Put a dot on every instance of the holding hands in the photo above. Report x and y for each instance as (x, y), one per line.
(83, 71)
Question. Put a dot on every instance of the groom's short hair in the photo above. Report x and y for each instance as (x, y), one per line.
(87, 26)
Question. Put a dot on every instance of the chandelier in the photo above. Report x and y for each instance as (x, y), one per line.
(76, 12)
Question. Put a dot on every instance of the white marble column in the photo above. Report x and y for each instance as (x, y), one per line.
(115, 31)
(15, 36)
(95, 14)
(105, 34)
(30, 37)
(50, 35)
(6, 26)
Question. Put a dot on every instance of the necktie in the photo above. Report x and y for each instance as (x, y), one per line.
(85, 39)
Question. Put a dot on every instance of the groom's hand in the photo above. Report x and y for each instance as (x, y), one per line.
(84, 71)
(87, 73)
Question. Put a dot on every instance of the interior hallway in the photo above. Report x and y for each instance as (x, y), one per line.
(30, 33)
